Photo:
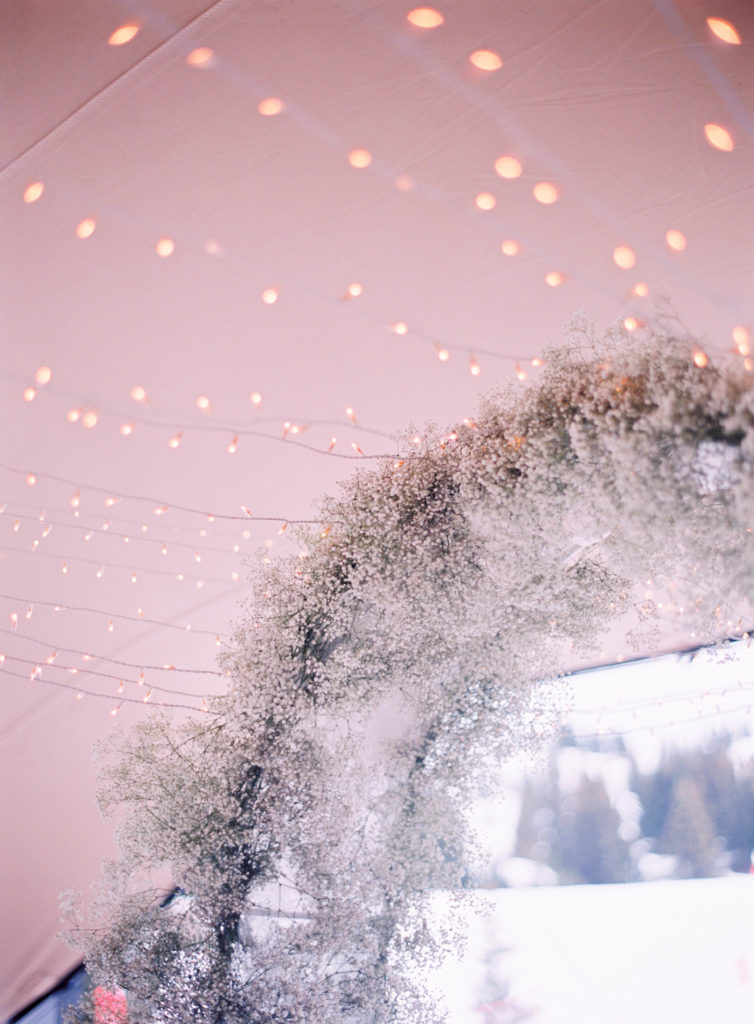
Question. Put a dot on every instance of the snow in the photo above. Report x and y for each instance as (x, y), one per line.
(667, 952)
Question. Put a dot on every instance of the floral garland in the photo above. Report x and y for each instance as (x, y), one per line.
(307, 821)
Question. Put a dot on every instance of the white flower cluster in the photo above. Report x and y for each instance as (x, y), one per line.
(306, 821)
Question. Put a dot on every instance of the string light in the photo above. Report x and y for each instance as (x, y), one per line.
(676, 240)
(270, 106)
(508, 167)
(486, 60)
(400, 327)
(43, 375)
(425, 17)
(201, 57)
(255, 398)
(554, 278)
(545, 192)
(741, 338)
(359, 158)
(624, 257)
(485, 201)
(30, 394)
(724, 30)
(270, 296)
(33, 192)
(124, 34)
(719, 137)
(640, 289)
(85, 228)
(138, 393)
(165, 247)
(112, 615)
(90, 419)
(474, 367)
(510, 247)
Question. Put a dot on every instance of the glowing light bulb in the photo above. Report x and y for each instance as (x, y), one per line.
(443, 355)
(233, 446)
(400, 327)
(425, 17)
(630, 323)
(85, 228)
(554, 278)
(30, 394)
(255, 398)
(356, 448)
(74, 415)
(124, 34)
(520, 373)
(138, 393)
(165, 247)
(700, 358)
(43, 375)
(333, 440)
(474, 368)
(724, 30)
(510, 247)
(175, 441)
(359, 158)
(33, 192)
(676, 240)
(203, 403)
(64, 568)
(640, 289)
(624, 257)
(270, 296)
(100, 572)
(741, 338)
(350, 414)
(127, 429)
(270, 106)
(486, 60)
(508, 167)
(355, 289)
(201, 57)
(719, 137)
(90, 419)
(485, 201)
(31, 479)
(545, 192)
(110, 626)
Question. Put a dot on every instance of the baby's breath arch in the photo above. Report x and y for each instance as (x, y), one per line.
(307, 819)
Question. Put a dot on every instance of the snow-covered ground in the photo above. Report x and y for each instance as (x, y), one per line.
(670, 952)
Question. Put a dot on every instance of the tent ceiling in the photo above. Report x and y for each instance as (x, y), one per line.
(607, 101)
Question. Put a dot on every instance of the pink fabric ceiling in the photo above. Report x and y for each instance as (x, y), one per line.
(135, 145)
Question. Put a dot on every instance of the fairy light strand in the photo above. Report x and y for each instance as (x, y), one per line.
(63, 607)
(84, 671)
(121, 698)
(113, 661)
